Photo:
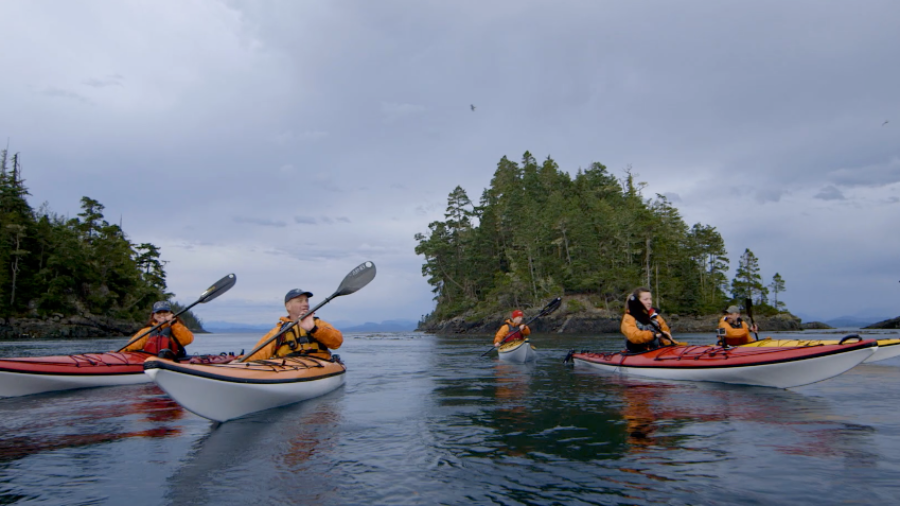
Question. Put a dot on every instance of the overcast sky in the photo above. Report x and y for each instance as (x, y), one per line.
(288, 141)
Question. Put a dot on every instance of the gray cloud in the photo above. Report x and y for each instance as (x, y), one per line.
(830, 193)
(110, 80)
(765, 195)
(52, 91)
(285, 108)
(259, 221)
(879, 174)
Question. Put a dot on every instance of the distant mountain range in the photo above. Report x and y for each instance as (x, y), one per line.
(343, 326)
(856, 321)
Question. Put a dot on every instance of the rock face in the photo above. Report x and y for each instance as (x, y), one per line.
(599, 322)
(66, 327)
(893, 323)
(816, 326)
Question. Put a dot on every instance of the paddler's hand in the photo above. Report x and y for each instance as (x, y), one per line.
(754, 328)
(666, 338)
(522, 327)
(307, 323)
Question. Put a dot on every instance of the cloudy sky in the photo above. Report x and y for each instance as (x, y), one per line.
(288, 141)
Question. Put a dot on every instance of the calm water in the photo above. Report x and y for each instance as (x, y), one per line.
(424, 420)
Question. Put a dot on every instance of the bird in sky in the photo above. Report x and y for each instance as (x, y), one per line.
(885, 121)
(473, 107)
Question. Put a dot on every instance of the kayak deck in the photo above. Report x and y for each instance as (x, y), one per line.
(222, 392)
(762, 366)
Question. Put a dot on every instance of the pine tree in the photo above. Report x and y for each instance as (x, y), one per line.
(747, 283)
(777, 287)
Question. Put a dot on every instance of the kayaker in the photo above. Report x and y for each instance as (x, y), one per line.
(733, 329)
(512, 324)
(169, 339)
(644, 329)
(311, 336)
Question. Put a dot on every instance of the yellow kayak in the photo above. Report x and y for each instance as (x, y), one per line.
(887, 348)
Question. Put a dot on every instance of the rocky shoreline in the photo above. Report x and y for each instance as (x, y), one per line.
(568, 320)
(68, 327)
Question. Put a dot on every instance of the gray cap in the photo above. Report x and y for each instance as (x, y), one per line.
(733, 309)
(161, 306)
(296, 292)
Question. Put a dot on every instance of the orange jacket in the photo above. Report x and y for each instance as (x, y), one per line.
(323, 333)
(506, 329)
(735, 336)
(179, 332)
(637, 336)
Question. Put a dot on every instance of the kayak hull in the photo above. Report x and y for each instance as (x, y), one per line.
(223, 392)
(887, 348)
(518, 352)
(768, 367)
(35, 375)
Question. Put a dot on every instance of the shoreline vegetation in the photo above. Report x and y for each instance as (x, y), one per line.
(574, 318)
(64, 277)
(538, 232)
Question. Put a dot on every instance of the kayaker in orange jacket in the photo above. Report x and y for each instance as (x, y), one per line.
(172, 336)
(311, 336)
(733, 329)
(644, 329)
(511, 325)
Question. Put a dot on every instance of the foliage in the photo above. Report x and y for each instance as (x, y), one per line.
(538, 232)
(84, 265)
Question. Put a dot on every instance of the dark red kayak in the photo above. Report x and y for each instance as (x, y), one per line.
(772, 367)
(34, 375)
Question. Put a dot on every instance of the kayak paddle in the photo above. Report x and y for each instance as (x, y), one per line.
(749, 303)
(356, 279)
(218, 288)
(549, 308)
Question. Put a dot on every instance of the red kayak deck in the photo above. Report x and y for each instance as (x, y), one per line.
(114, 362)
(693, 357)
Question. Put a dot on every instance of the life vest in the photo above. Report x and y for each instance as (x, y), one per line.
(651, 345)
(297, 341)
(512, 328)
(162, 343)
(738, 324)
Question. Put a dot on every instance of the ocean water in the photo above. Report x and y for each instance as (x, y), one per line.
(424, 419)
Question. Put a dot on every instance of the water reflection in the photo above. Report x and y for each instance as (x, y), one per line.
(50, 422)
(266, 458)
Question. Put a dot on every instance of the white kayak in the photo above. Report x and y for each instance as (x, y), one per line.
(223, 392)
(761, 366)
(517, 352)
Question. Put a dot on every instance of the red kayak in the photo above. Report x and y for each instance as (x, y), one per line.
(34, 375)
(771, 367)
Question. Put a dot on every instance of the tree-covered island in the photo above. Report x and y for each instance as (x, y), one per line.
(538, 233)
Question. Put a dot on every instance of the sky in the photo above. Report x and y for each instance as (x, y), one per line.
(288, 142)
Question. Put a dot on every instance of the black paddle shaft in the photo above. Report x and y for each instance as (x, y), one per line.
(749, 304)
(218, 288)
(356, 279)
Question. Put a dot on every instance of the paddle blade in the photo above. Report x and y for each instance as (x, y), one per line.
(748, 305)
(218, 288)
(358, 278)
(552, 306)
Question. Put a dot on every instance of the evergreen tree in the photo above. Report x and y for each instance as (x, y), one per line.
(777, 287)
(747, 283)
